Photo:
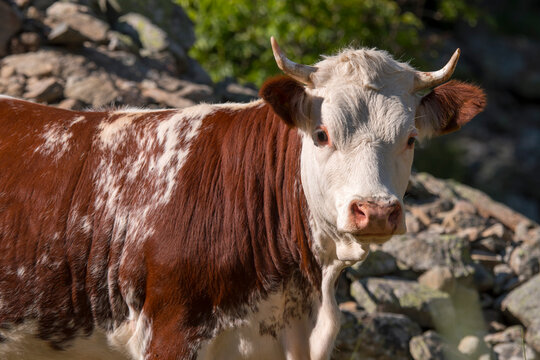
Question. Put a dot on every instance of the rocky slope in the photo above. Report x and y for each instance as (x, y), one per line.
(464, 283)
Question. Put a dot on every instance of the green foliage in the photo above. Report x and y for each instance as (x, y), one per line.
(233, 36)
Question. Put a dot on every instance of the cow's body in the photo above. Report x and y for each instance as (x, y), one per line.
(213, 232)
(90, 201)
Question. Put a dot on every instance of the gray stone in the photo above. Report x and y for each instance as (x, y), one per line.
(10, 23)
(47, 90)
(378, 263)
(510, 334)
(423, 305)
(167, 15)
(503, 274)
(197, 93)
(31, 64)
(513, 351)
(97, 90)
(151, 36)
(79, 18)
(472, 346)
(438, 278)
(362, 297)
(524, 302)
(374, 336)
(421, 252)
(533, 335)
(428, 346)
(64, 34)
(166, 98)
(483, 278)
(525, 260)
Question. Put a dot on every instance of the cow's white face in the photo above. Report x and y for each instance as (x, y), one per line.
(359, 117)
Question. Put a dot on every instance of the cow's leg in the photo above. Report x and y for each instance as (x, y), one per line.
(170, 342)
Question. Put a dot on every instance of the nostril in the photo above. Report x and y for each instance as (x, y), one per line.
(394, 215)
(356, 211)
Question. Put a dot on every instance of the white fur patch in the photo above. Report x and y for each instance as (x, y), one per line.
(56, 141)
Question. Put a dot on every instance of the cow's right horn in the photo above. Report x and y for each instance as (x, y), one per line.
(298, 72)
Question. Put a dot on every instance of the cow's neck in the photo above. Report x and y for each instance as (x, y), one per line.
(284, 207)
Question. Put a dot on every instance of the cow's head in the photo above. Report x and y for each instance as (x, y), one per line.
(360, 113)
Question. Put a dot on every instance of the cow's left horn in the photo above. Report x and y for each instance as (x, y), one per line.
(298, 72)
(424, 80)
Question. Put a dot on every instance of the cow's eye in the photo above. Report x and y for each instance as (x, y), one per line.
(411, 141)
(321, 135)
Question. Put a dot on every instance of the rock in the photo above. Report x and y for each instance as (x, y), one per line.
(10, 24)
(362, 297)
(197, 93)
(513, 351)
(421, 252)
(438, 278)
(524, 302)
(70, 104)
(47, 90)
(497, 230)
(525, 260)
(79, 18)
(376, 264)
(152, 38)
(31, 64)
(435, 186)
(379, 336)
(97, 90)
(12, 86)
(167, 98)
(168, 16)
(422, 304)
(487, 207)
(483, 278)
(7, 71)
(510, 334)
(533, 335)
(64, 34)
(503, 273)
(196, 73)
(229, 91)
(472, 346)
(428, 346)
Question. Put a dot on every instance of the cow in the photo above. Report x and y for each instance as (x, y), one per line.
(214, 231)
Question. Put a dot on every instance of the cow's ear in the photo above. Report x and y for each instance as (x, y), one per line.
(448, 107)
(288, 99)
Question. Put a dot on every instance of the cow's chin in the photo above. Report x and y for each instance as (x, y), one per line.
(373, 239)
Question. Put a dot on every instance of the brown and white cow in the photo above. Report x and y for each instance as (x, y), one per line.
(212, 232)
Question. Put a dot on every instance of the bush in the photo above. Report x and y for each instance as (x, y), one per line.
(233, 36)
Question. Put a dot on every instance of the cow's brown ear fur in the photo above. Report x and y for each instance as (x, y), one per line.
(287, 98)
(448, 107)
